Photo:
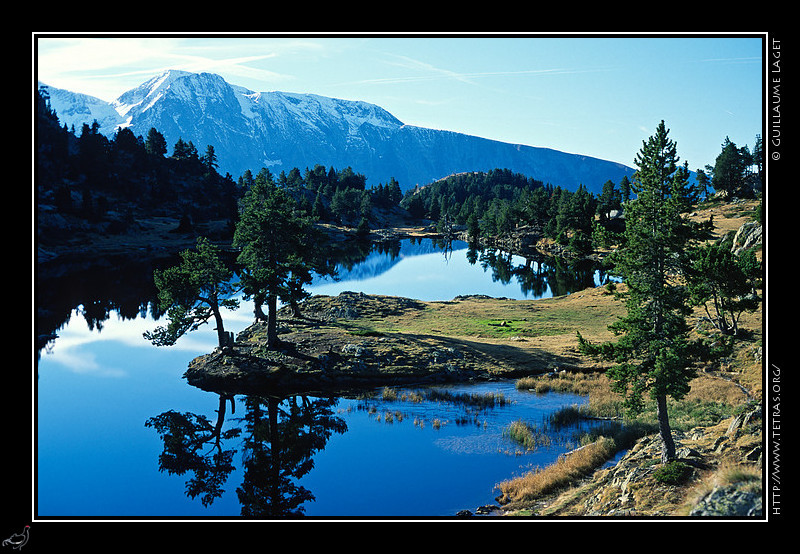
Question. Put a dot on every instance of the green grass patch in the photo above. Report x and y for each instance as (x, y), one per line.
(673, 473)
(359, 332)
(496, 318)
(499, 328)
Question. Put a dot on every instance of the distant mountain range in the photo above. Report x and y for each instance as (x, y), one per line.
(280, 131)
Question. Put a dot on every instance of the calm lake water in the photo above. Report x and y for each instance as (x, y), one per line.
(121, 434)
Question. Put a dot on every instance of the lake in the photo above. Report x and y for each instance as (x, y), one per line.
(120, 434)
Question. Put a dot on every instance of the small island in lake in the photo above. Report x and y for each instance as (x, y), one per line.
(355, 340)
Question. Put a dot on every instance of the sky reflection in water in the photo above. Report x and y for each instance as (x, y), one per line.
(96, 389)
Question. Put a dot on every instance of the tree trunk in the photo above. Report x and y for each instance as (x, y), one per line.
(220, 419)
(222, 337)
(258, 311)
(272, 321)
(277, 499)
(296, 309)
(667, 444)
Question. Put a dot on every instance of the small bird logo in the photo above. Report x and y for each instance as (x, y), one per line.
(18, 540)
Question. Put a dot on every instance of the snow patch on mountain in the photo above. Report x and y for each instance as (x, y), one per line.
(150, 91)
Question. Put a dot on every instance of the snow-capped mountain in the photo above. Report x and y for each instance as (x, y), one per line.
(280, 131)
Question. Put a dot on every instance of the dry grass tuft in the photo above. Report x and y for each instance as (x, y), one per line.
(603, 402)
(710, 389)
(728, 473)
(563, 473)
(529, 436)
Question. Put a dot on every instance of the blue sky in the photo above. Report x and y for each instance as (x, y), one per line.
(600, 95)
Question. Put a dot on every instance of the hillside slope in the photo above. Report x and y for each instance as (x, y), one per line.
(718, 429)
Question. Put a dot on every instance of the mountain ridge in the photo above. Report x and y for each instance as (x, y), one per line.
(282, 130)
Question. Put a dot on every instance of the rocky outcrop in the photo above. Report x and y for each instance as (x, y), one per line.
(326, 350)
(730, 501)
(724, 462)
(330, 360)
(748, 236)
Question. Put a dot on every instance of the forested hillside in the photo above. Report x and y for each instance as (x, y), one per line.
(108, 184)
(494, 203)
(86, 181)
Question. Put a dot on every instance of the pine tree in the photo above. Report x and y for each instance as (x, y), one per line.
(192, 293)
(702, 183)
(728, 173)
(94, 156)
(723, 284)
(271, 235)
(181, 149)
(155, 144)
(318, 210)
(625, 188)
(610, 199)
(654, 355)
(394, 192)
(210, 160)
(758, 159)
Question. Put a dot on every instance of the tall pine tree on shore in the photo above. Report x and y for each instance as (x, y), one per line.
(654, 355)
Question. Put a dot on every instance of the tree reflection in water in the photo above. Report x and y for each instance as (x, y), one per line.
(281, 436)
(185, 435)
(539, 272)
